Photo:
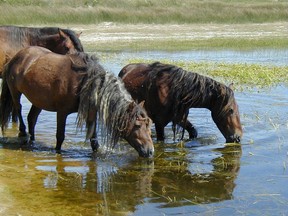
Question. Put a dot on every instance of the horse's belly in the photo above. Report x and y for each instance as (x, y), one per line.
(51, 102)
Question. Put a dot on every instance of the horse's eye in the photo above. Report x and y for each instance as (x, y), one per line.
(231, 111)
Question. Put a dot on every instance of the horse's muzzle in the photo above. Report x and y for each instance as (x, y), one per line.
(147, 153)
(233, 139)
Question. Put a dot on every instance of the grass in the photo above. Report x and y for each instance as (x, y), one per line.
(236, 17)
(27, 12)
(157, 12)
(247, 75)
(189, 44)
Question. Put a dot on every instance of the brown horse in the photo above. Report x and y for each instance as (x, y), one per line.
(13, 39)
(169, 92)
(73, 83)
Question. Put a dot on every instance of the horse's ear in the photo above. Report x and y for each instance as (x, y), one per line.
(78, 34)
(62, 34)
(231, 86)
(142, 103)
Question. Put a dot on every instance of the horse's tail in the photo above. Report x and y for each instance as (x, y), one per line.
(6, 103)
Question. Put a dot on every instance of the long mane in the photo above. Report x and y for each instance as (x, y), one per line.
(188, 89)
(105, 93)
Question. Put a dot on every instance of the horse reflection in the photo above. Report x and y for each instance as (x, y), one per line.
(160, 180)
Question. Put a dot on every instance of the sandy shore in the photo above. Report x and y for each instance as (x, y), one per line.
(111, 32)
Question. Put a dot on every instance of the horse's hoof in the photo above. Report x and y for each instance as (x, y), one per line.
(94, 145)
(31, 141)
(193, 133)
(58, 151)
(22, 134)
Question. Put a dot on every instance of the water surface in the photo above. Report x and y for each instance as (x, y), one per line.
(195, 177)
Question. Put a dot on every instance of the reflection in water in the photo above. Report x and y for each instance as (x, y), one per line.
(180, 174)
(117, 185)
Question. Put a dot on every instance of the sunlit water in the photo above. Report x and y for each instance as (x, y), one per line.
(198, 177)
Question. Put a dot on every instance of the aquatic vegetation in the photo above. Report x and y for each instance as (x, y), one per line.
(249, 75)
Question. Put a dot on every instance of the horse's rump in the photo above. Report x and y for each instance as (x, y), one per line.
(42, 72)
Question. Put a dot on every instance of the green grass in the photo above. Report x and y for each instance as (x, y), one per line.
(190, 44)
(242, 75)
(23, 12)
(195, 12)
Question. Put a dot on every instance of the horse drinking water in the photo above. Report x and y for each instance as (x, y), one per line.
(169, 92)
(73, 83)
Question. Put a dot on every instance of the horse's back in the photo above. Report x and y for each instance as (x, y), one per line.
(44, 77)
(22, 61)
(134, 75)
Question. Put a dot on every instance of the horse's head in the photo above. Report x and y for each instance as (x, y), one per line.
(227, 118)
(64, 42)
(138, 133)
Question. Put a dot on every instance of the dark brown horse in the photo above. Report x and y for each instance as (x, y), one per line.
(13, 39)
(73, 83)
(169, 92)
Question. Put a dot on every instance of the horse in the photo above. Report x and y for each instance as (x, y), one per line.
(170, 91)
(14, 38)
(72, 83)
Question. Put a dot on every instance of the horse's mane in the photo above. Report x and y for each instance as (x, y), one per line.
(19, 34)
(191, 89)
(106, 93)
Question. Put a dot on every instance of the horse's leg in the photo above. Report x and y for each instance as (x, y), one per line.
(32, 119)
(60, 134)
(159, 131)
(187, 125)
(91, 129)
(93, 140)
(16, 96)
(14, 116)
(22, 126)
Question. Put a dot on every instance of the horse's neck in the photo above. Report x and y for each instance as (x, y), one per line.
(20, 37)
(40, 39)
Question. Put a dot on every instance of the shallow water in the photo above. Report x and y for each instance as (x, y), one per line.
(198, 177)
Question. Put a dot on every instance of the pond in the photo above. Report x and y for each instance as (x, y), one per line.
(197, 177)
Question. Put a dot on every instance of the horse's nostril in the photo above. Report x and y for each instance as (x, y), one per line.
(233, 139)
(150, 152)
(238, 139)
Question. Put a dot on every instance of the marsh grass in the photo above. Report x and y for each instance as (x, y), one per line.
(191, 44)
(240, 74)
(25, 12)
